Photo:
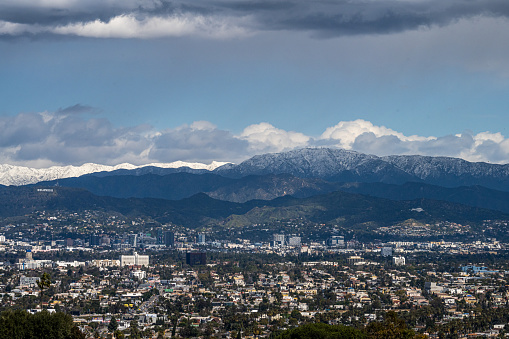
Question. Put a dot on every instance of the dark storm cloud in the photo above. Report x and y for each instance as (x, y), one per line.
(358, 17)
(381, 17)
(65, 12)
(257, 6)
(324, 18)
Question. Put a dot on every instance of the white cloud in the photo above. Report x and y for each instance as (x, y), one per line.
(203, 125)
(487, 136)
(131, 26)
(11, 28)
(52, 138)
(75, 5)
(346, 133)
(126, 26)
(264, 137)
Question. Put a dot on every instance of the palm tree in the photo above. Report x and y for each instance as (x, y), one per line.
(44, 282)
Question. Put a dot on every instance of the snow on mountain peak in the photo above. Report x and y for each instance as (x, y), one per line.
(19, 175)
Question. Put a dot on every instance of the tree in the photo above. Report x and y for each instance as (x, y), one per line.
(21, 324)
(134, 331)
(76, 333)
(113, 325)
(393, 327)
(44, 282)
(322, 331)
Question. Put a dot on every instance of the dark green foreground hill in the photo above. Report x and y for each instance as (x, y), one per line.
(19, 324)
(392, 327)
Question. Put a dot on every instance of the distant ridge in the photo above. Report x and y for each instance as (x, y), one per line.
(354, 211)
(329, 164)
(338, 165)
(19, 175)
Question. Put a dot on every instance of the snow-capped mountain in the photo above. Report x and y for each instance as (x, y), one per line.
(439, 170)
(324, 163)
(336, 165)
(349, 166)
(18, 175)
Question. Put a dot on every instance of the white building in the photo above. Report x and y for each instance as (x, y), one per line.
(138, 274)
(28, 281)
(24, 264)
(398, 261)
(134, 260)
(70, 263)
(105, 263)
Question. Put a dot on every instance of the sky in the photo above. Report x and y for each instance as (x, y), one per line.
(113, 81)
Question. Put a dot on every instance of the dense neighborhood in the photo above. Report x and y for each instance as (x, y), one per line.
(175, 282)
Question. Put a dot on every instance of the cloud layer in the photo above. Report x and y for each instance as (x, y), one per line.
(70, 136)
(219, 19)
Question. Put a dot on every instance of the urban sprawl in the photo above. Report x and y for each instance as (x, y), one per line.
(169, 281)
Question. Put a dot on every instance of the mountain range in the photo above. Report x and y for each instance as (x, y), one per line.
(340, 165)
(294, 184)
(333, 165)
(308, 172)
(20, 175)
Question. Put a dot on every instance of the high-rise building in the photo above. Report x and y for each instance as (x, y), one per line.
(279, 239)
(386, 251)
(95, 240)
(196, 258)
(133, 240)
(169, 239)
(160, 236)
(336, 241)
(200, 238)
(293, 240)
(105, 240)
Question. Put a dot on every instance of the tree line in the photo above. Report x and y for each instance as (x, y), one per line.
(20, 324)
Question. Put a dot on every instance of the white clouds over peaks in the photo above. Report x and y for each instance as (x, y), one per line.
(346, 133)
(69, 138)
(264, 137)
